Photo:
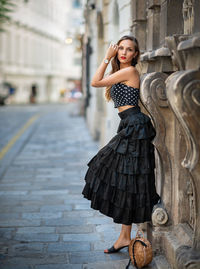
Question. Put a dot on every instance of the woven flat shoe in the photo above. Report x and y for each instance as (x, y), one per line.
(114, 250)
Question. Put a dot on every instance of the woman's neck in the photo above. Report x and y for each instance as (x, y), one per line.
(124, 65)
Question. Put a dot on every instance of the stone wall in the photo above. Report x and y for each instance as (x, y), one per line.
(170, 93)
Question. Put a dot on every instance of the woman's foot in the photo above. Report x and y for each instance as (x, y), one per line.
(113, 249)
(119, 244)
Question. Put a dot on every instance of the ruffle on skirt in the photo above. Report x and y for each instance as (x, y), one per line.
(120, 180)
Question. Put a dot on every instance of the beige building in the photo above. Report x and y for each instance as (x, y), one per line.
(169, 37)
(39, 47)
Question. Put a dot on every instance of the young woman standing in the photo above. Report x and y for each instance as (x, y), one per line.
(120, 180)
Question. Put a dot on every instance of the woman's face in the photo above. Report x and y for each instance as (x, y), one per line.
(126, 51)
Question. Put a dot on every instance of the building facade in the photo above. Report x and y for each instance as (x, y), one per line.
(39, 47)
(169, 36)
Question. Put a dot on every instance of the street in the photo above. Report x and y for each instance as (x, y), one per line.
(45, 223)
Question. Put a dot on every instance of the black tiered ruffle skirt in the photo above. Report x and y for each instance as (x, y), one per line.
(120, 180)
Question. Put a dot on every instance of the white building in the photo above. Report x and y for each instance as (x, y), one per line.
(33, 49)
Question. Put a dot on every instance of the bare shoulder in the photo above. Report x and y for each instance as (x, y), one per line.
(134, 70)
(134, 78)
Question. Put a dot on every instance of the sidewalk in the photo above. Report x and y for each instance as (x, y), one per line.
(44, 221)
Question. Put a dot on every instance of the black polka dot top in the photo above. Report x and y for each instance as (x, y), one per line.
(123, 95)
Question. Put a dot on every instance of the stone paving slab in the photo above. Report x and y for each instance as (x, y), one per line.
(38, 237)
(26, 248)
(83, 257)
(16, 266)
(69, 247)
(19, 223)
(45, 223)
(35, 259)
(75, 229)
(60, 266)
(121, 264)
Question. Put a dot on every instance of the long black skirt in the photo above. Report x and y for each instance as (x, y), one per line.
(120, 180)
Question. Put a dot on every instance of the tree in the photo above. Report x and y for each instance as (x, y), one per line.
(6, 7)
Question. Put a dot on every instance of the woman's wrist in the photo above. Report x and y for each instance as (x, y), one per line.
(106, 59)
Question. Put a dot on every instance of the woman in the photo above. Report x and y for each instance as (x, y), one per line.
(120, 179)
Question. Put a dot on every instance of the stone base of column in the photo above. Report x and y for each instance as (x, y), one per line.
(174, 244)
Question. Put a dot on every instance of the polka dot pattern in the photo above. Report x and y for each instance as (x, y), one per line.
(123, 95)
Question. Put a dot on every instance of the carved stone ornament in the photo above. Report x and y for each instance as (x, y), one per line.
(187, 258)
(153, 97)
(160, 52)
(158, 60)
(183, 92)
(177, 56)
(188, 16)
(159, 216)
(190, 50)
(190, 194)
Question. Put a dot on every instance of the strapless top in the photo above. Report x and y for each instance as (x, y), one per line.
(123, 95)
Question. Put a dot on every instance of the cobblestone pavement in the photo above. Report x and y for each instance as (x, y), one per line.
(45, 223)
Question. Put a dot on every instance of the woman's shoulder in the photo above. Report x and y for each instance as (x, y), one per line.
(134, 78)
(133, 72)
(132, 69)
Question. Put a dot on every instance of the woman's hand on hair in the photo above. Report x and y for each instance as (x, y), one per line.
(111, 51)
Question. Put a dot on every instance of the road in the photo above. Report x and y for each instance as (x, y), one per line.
(45, 223)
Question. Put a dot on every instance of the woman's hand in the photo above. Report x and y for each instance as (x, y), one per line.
(111, 51)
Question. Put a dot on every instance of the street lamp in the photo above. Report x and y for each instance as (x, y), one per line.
(68, 40)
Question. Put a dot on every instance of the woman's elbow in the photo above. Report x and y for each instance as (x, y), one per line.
(94, 84)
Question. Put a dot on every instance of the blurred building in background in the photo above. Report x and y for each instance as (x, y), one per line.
(40, 50)
(169, 36)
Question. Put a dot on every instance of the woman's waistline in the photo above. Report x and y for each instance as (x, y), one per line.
(129, 111)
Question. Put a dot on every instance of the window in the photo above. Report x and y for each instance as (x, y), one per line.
(76, 4)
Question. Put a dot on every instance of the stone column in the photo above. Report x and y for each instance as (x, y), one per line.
(139, 21)
(153, 24)
(170, 24)
(176, 119)
(190, 10)
(100, 91)
(183, 92)
(154, 100)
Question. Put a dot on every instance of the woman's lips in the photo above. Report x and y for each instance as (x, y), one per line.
(123, 57)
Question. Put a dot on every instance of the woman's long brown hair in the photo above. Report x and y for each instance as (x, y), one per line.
(116, 63)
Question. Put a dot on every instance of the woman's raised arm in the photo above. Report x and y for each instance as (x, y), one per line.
(119, 76)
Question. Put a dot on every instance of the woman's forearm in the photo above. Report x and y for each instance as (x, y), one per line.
(99, 73)
(98, 76)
